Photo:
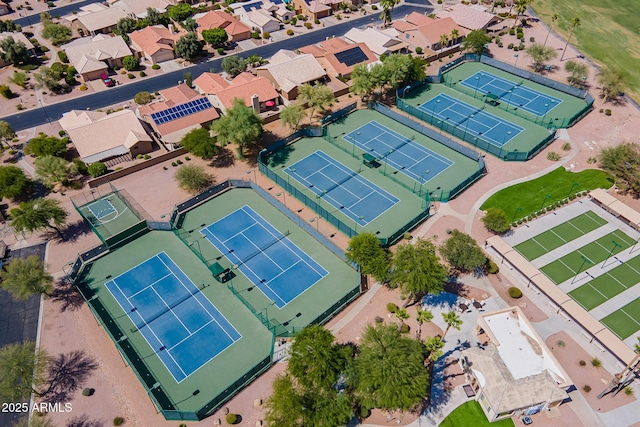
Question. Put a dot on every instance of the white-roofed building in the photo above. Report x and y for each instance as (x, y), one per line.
(379, 42)
(92, 56)
(257, 14)
(470, 17)
(95, 19)
(100, 136)
(515, 373)
(288, 71)
(138, 8)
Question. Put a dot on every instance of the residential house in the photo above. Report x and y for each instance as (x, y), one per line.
(210, 83)
(99, 136)
(514, 373)
(92, 56)
(381, 43)
(275, 8)
(338, 57)
(288, 71)
(235, 29)
(137, 9)
(4, 8)
(313, 9)
(154, 44)
(256, 92)
(181, 110)
(426, 33)
(96, 18)
(256, 14)
(18, 38)
(471, 17)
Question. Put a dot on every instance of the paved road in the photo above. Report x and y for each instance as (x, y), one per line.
(118, 94)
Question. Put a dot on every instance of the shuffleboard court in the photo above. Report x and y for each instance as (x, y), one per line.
(271, 261)
(473, 120)
(398, 151)
(560, 235)
(625, 321)
(582, 259)
(514, 94)
(355, 196)
(179, 323)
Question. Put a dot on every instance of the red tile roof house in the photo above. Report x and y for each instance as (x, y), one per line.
(256, 92)
(339, 57)
(172, 130)
(235, 29)
(422, 31)
(154, 44)
(288, 71)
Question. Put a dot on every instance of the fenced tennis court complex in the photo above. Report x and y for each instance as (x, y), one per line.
(504, 113)
(591, 256)
(195, 304)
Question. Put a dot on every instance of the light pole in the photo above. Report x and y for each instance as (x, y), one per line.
(615, 245)
(544, 200)
(575, 184)
(516, 213)
(477, 83)
(584, 261)
(467, 127)
(255, 178)
(433, 110)
(266, 312)
(504, 140)
(634, 246)
(440, 126)
(423, 181)
(284, 197)
(316, 219)
(509, 102)
(384, 171)
(355, 223)
(516, 62)
(291, 170)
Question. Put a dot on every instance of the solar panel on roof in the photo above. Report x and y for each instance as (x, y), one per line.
(352, 56)
(180, 111)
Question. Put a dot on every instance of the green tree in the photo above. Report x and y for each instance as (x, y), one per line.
(13, 182)
(444, 41)
(452, 320)
(612, 83)
(154, 17)
(316, 360)
(69, 77)
(36, 215)
(554, 18)
(142, 98)
(200, 143)
(496, 220)
(188, 46)
(362, 81)
(326, 408)
(422, 316)
(317, 97)
(125, 26)
(540, 54)
(579, 72)
(389, 370)
(434, 346)
(366, 250)
(193, 178)
(22, 369)
(6, 132)
(52, 170)
(402, 314)
(45, 145)
(387, 10)
(131, 63)
(285, 406)
(240, 125)
(180, 12)
(13, 52)
(575, 23)
(24, 278)
(19, 78)
(462, 252)
(400, 70)
(454, 35)
(47, 78)
(291, 115)
(233, 65)
(521, 7)
(623, 162)
(415, 268)
(7, 26)
(97, 169)
(215, 36)
(189, 24)
(58, 34)
(475, 42)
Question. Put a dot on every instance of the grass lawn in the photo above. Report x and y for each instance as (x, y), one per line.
(530, 195)
(609, 32)
(470, 414)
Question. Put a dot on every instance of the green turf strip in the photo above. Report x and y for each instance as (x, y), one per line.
(625, 321)
(470, 414)
(559, 235)
(587, 296)
(596, 251)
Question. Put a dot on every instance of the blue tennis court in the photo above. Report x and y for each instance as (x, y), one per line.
(514, 94)
(398, 151)
(271, 261)
(473, 120)
(101, 208)
(355, 196)
(180, 324)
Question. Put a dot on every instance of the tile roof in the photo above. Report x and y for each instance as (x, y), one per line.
(18, 38)
(88, 53)
(98, 20)
(417, 19)
(261, 17)
(210, 83)
(434, 30)
(379, 42)
(245, 86)
(154, 39)
(316, 7)
(291, 71)
(139, 7)
(220, 19)
(468, 17)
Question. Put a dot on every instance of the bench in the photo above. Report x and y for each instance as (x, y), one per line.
(369, 160)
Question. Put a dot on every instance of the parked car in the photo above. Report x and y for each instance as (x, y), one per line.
(108, 82)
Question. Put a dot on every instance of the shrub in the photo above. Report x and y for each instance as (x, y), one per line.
(131, 76)
(220, 51)
(232, 418)
(566, 146)
(289, 32)
(147, 157)
(97, 169)
(492, 267)
(404, 329)
(378, 319)
(532, 39)
(374, 7)
(174, 164)
(63, 56)
(582, 363)
(139, 156)
(364, 412)
(607, 112)
(512, 31)
(553, 156)
(187, 158)
(308, 25)
(419, 50)
(155, 67)
(143, 74)
(407, 236)
(118, 421)
(255, 35)
(44, 49)
(510, 46)
(391, 307)
(587, 388)
(87, 391)
(560, 343)
(294, 21)
(81, 166)
(316, 21)
(628, 391)
(515, 293)
(6, 92)
(266, 35)
(596, 363)
(179, 161)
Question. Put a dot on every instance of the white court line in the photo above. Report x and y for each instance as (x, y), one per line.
(169, 309)
(629, 316)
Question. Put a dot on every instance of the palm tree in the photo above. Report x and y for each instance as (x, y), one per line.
(434, 347)
(444, 41)
(454, 35)
(422, 316)
(402, 314)
(554, 18)
(387, 9)
(575, 23)
(452, 320)
(521, 8)
(38, 214)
